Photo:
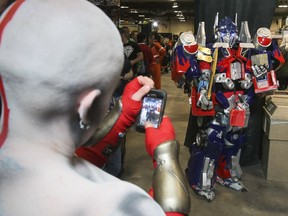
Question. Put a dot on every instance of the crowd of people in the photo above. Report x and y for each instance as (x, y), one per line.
(149, 54)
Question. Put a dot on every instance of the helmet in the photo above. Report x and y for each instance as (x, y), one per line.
(189, 43)
(262, 38)
(226, 31)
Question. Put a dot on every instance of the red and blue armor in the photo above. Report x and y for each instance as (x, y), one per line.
(262, 56)
(221, 98)
(185, 61)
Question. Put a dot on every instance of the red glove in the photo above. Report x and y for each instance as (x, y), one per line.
(156, 136)
(95, 154)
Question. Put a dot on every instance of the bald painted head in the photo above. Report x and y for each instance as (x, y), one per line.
(53, 54)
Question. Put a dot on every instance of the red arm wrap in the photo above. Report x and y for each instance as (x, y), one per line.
(156, 136)
(99, 153)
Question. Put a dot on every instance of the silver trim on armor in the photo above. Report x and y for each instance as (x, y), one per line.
(244, 35)
(169, 183)
(228, 84)
(235, 68)
(207, 173)
(220, 77)
(201, 34)
(106, 125)
(247, 83)
(235, 169)
(206, 73)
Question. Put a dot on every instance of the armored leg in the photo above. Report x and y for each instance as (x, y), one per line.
(201, 165)
(229, 171)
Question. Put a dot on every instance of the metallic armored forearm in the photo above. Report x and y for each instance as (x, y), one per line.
(106, 125)
(169, 183)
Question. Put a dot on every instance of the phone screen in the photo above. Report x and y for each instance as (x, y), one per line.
(151, 111)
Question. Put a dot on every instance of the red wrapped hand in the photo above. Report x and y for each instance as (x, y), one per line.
(131, 101)
(156, 136)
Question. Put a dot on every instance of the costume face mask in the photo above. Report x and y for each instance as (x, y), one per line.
(227, 31)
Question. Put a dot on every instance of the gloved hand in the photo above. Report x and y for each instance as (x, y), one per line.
(259, 70)
(157, 136)
(131, 102)
(132, 98)
(153, 138)
(203, 101)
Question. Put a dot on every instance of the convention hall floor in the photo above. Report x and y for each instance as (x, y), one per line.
(264, 198)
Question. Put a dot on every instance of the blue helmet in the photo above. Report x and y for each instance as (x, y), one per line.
(226, 31)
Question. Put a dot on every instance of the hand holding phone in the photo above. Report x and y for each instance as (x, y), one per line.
(156, 136)
(152, 110)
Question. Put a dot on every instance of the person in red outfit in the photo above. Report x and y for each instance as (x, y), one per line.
(158, 52)
(148, 57)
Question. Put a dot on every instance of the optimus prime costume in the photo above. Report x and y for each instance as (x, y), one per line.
(222, 91)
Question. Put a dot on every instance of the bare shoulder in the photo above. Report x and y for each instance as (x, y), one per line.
(79, 189)
(112, 195)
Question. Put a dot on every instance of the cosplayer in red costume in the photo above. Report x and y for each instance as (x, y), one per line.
(158, 53)
(57, 76)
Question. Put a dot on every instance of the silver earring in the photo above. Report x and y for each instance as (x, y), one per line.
(83, 125)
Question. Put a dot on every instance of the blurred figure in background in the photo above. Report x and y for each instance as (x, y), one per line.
(131, 49)
(166, 59)
(158, 52)
(282, 72)
(133, 36)
(148, 57)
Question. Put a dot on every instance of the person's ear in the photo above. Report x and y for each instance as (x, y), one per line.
(84, 106)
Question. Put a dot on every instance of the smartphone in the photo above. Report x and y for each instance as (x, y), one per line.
(152, 110)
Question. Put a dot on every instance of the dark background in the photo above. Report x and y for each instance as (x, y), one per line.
(258, 13)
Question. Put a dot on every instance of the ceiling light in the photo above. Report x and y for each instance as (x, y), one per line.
(282, 6)
(175, 5)
(133, 11)
(141, 15)
(155, 24)
(124, 7)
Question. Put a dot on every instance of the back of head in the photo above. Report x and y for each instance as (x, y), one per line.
(156, 36)
(141, 36)
(53, 51)
(166, 41)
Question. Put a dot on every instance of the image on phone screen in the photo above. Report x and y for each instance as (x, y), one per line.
(151, 110)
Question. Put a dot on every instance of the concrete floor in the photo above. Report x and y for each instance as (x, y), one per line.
(264, 198)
